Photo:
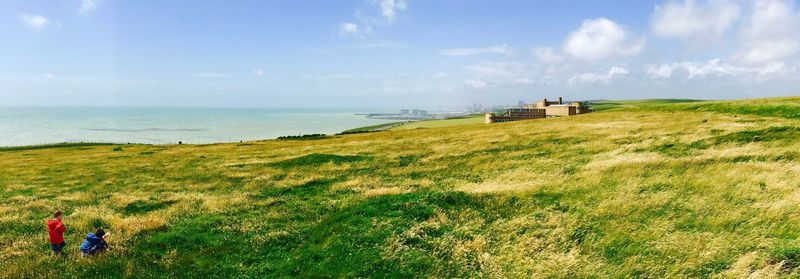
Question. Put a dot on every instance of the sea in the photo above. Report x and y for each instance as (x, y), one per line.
(43, 125)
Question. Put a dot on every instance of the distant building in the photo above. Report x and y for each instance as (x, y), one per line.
(540, 109)
(476, 107)
(404, 112)
(419, 112)
(521, 104)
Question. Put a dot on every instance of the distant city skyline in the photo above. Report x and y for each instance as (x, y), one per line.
(393, 53)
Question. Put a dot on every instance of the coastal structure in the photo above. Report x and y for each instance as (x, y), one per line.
(419, 112)
(515, 114)
(540, 109)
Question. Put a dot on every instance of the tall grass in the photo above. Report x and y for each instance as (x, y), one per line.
(639, 191)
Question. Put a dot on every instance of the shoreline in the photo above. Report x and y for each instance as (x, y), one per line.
(358, 130)
(47, 126)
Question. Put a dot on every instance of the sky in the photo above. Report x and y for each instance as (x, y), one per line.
(392, 53)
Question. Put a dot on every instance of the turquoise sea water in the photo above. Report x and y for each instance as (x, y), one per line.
(40, 125)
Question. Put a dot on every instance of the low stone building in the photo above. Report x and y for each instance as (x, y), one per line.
(559, 108)
(540, 109)
(515, 114)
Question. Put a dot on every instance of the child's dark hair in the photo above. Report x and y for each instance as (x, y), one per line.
(57, 214)
(100, 232)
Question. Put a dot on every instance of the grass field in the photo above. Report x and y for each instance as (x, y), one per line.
(467, 120)
(605, 105)
(374, 128)
(649, 190)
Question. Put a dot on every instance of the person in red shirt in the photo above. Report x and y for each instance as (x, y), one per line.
(56, 229)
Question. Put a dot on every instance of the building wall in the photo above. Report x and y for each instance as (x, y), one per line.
(580, 108)
(515, 114)
(560, 110)
(540, 109)
(525, 112)
(541, 104)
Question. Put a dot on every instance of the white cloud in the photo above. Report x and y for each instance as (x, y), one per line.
(771, 33)
(693, 20)
(601, 38)
(476, 84)
(719, 68)
(662, 71)
(389, 11)
(34, 21)
(390, 8)
(501, 49)
(512, 73)
(258, 72)
(547, 55)
(497, 69)
(349, 29)
(354, 30)
(599, 77)
(88, 6)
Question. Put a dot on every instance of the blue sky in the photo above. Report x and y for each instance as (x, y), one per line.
(392, 53)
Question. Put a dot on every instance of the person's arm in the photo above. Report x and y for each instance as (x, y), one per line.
(62, 228)
(103, 240)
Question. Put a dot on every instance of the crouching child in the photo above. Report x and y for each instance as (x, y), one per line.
(94, 242)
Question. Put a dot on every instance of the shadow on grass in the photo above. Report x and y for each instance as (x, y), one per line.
(318, 159)
(780, 133)
(145, 206)
(771, 134)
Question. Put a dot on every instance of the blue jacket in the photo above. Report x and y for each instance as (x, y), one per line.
(92, 243)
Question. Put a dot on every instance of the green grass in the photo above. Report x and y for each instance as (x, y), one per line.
(54, 145)
(604, 105)
(646, 189)
(787, 107)
(776, 107)
(461, 121)
(373, 128)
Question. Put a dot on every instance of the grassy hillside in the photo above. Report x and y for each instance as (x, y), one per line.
(374, 128)
(605, 105)
(787, 107)
(659, 190)
(467, 120)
